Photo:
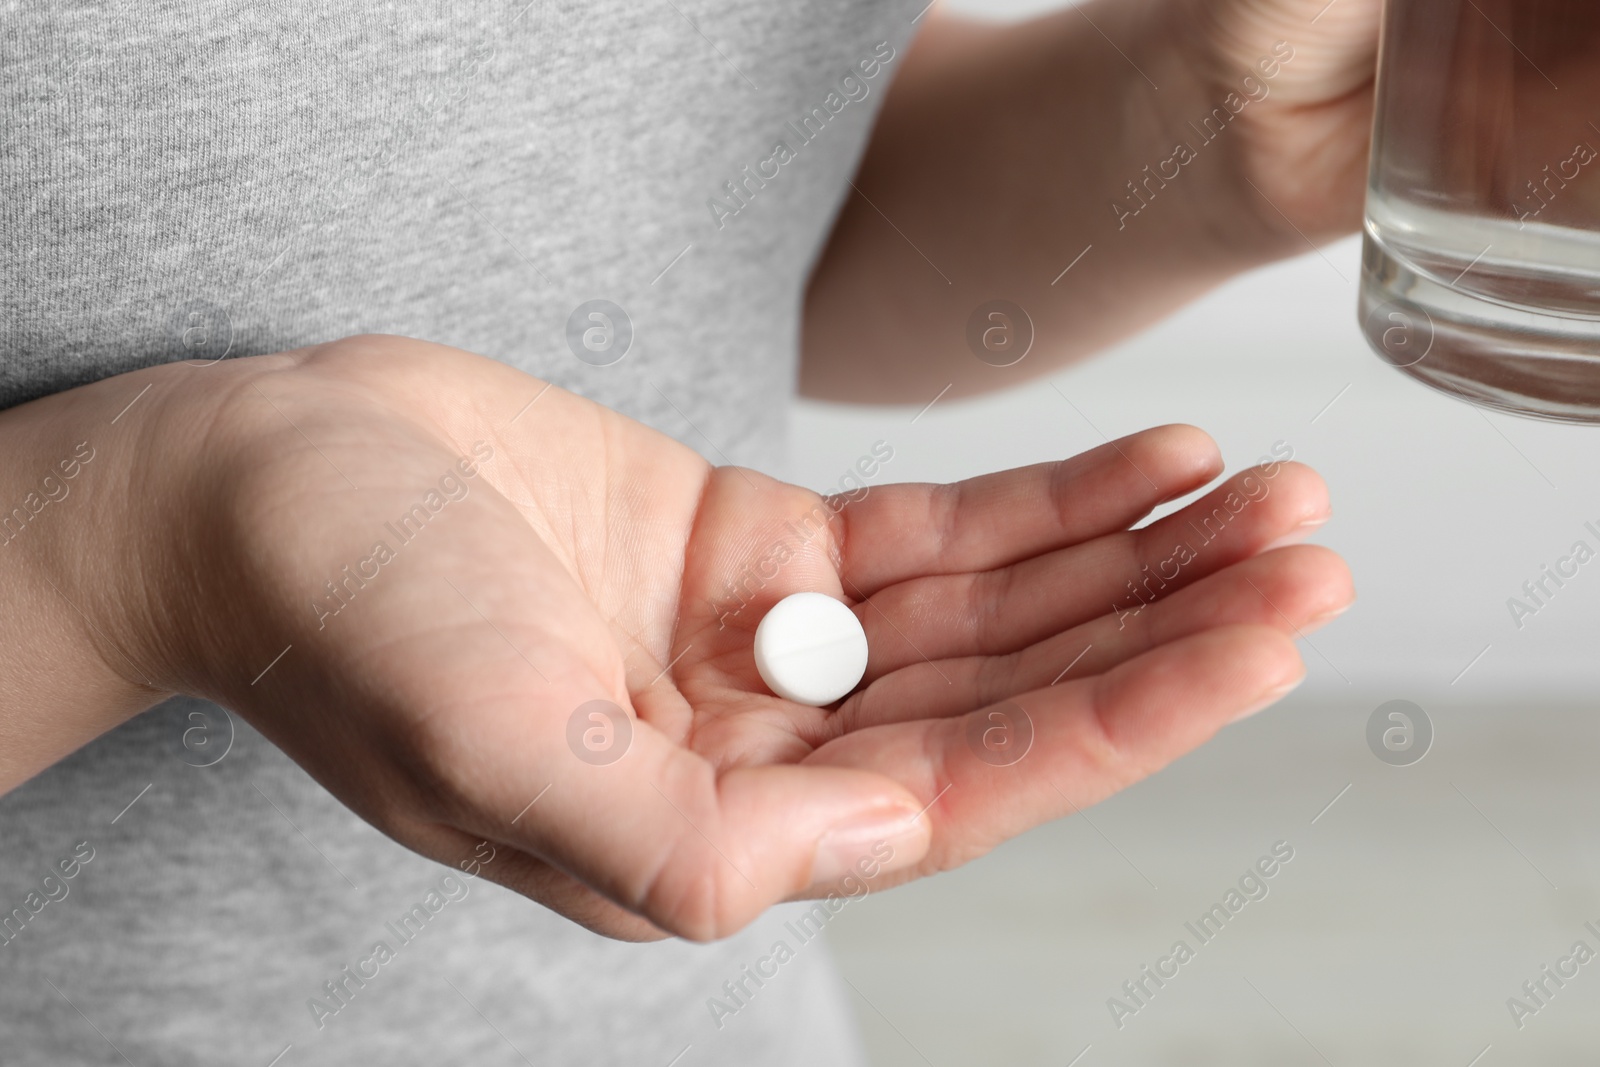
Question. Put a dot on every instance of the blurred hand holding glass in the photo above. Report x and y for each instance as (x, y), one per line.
(1481, 273)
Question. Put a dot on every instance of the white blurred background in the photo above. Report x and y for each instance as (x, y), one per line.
(1443, 510)
(1426, 895)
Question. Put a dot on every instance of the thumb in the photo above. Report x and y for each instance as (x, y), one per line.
(655, 828)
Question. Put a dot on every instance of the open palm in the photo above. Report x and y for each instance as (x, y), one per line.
(459, 695)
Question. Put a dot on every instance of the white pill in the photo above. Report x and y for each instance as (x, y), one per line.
(811, 649)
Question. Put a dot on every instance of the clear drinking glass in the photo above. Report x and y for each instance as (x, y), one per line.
(1481, 272)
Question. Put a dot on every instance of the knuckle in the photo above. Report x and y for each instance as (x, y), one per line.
(435, 762)
(1065, 479)
(1109, 757)
(687, 886)
(686, 900)
(944, 516)
(997, 679)
(988, 608)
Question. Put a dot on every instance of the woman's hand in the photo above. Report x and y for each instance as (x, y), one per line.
(417, 571)
(1098, 167)
(1304, 145)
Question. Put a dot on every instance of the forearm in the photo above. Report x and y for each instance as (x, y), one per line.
(1004, 155)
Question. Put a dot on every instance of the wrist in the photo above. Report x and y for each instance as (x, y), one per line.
(182, 466)
(138, 564)
(71, 667)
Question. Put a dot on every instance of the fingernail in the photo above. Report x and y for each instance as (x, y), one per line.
(1298, 534)
(1271, 697)
(867, 846)
(1328, 616)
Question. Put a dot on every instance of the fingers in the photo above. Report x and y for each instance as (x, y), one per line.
(904, 531)
(1088, 739)
(1001, 611)
(658, 833)
(1292, 590)
(533, 878)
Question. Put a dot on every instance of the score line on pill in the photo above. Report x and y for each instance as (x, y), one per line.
(811, 649)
